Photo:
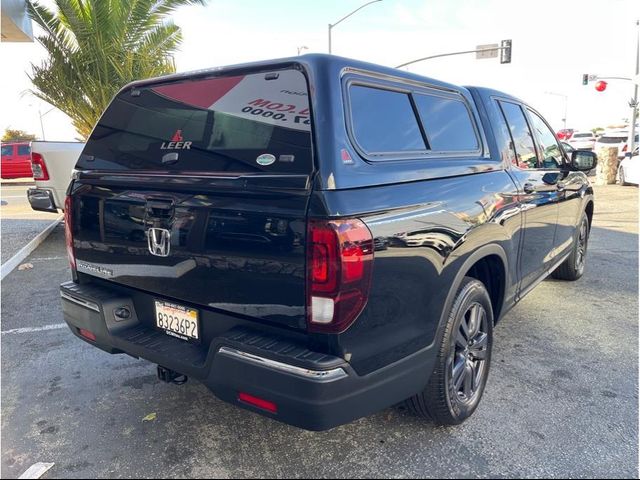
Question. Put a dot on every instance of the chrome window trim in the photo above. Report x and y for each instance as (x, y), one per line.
(410, 89)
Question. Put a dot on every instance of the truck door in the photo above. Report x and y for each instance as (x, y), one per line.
(538, 195)
(569, 184)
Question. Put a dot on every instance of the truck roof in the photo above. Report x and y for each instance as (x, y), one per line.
(491, 92)
(312, 61)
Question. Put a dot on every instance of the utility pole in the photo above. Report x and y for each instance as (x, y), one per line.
(634, 102)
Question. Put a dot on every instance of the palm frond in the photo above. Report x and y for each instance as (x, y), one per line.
(96, 47)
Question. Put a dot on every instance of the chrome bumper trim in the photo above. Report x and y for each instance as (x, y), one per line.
(79, 301)
(322, 376)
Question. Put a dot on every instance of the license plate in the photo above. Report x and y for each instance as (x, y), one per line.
(177, 321)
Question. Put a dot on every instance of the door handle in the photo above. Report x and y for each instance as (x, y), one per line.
(528, 188)
(561, 186)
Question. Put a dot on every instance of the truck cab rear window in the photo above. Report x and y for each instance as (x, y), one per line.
(243, 124)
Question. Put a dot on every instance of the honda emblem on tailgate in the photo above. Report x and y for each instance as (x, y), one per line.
(159, 240)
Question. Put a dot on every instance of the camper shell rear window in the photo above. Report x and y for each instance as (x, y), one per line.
(253, 123)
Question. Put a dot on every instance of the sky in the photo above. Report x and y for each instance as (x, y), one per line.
(554, 43)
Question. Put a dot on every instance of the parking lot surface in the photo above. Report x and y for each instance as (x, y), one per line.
(19, 222)
(562, 397)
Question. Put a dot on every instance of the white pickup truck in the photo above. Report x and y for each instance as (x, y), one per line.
(52, 164)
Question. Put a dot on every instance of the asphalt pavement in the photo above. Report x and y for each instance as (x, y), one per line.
(561, 401)
(19, 222)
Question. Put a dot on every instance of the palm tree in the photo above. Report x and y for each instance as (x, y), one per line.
(97, 46)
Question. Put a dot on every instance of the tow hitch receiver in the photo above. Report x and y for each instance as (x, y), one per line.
(169, 376)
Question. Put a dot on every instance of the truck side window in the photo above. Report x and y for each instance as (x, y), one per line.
(551, 153)
(384, 121)
(24, 150)
(525, 150)
(447, 123)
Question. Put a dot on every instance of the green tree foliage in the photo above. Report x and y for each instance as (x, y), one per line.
(11, 135)
(96, 47)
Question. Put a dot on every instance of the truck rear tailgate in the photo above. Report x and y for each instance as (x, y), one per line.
(196, 190)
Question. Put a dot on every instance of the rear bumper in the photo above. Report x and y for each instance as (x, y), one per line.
(311, 390)
(42, 200)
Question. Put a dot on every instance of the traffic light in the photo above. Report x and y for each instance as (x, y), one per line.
(601, 86)
(505, 51)
(585, 79)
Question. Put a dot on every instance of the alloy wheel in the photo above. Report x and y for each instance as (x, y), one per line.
(469, 357)
(582, 245)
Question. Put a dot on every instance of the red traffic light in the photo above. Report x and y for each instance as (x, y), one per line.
(601, 86)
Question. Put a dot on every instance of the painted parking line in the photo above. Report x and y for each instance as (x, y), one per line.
(44, 328)
(41, 259)
(23, 214)
(37, 470)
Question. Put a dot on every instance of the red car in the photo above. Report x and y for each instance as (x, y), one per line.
(16, 160)
(565, 134)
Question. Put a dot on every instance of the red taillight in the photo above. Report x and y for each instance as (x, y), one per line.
(87, 334)
(258, 402)
(624, 149)
(38, 167)
(339, 263)
(68, 231)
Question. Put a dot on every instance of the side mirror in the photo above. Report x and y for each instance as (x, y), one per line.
(583, 160)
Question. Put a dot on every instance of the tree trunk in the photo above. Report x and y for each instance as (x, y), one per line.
(607, 168)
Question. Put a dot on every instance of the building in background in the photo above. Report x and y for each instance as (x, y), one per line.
(16, 24)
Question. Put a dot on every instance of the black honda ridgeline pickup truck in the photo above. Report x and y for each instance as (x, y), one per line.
(316, 239)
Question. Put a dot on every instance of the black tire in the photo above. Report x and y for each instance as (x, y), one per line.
(462, 366)
(573, 267)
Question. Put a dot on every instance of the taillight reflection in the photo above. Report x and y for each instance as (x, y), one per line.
(68, 231)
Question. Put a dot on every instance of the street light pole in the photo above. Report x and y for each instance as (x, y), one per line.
(566, 99)
(41, 124)
(347, 16)
(40, 114)
(450, 54)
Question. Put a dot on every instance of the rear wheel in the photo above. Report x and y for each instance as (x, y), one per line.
(462, 366)
(573, 267)
(621, 179)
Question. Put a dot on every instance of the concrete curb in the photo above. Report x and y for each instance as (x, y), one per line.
(8, 266)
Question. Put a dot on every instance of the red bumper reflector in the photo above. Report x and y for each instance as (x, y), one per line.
(258, 402)
(87, 334)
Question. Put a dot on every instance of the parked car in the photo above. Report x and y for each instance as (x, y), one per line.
(16, 160)
(614, 139)
(625, 146)
(226, 225)
(565, 134)
(52, 164)
(582, 140)
(629, 170)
